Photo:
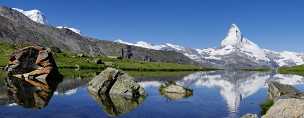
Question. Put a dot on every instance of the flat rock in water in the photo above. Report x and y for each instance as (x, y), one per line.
(174, 91)
(115, 82)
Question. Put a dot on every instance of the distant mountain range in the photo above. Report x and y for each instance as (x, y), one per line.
(235, 51)
(22, 27)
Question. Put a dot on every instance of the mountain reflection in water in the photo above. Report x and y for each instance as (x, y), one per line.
(215, 94)
(234, 86)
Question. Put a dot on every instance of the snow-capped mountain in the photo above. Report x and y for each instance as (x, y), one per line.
(34, 15)
(70, 28)
(235, 51)
(38, 17)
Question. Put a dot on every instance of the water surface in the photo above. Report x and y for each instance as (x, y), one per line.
(216, 94)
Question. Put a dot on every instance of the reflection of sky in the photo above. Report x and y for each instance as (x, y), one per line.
(216, 94)
(233, 86)
(68, 92)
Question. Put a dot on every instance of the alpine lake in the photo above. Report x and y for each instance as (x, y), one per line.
(216, 94)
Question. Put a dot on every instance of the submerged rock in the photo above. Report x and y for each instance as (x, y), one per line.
(115, 82)
(115, 105)
(174, 92)
(33, 63)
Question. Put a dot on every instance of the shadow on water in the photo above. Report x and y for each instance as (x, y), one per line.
(34, 94)
(116, 105)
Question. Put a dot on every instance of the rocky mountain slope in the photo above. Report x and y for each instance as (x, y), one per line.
(19, 29)
(34, 15)
(235, 51)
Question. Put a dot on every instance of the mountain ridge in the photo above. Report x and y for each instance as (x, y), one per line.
(16, 28)
(235, 51)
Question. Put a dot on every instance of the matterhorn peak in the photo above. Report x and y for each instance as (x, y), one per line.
(234, 37)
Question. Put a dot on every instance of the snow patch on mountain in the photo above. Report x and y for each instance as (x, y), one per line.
(34, 15)
(70, 28)
(166, 46)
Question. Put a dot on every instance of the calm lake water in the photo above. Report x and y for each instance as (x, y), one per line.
(217, 94)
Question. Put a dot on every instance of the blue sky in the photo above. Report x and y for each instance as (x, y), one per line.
(272, 24)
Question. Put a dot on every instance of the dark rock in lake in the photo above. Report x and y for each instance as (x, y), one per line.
(174, 92)
(33, 63)
(115, 82)
(115, 105)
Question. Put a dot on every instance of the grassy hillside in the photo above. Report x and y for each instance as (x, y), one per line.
(299, 70)
(70, 60)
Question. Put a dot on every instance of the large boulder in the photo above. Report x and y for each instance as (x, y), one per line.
(174, 91)
(115, 82)
(33, 63)
(288, 101)
(286, 108)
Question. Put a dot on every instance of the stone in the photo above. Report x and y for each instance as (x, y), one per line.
(175, 92)
(286, 108)
(249, 115)
(33, 63)
(288, 101)
(277, 91)
(80, 55)
(115, 82)
(99, 61)
(56, 49)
